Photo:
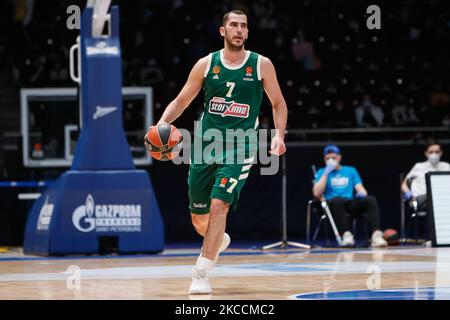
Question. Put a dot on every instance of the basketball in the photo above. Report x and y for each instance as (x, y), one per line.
(391, 236)
(163, 141)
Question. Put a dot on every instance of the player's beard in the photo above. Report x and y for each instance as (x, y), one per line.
(232, 46)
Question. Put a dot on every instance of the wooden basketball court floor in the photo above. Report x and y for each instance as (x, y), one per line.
(391, 273)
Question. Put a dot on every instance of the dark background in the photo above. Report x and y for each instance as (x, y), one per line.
(259, 212)
(404, 67)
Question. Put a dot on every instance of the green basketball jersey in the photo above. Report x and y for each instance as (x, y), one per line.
(233, 95)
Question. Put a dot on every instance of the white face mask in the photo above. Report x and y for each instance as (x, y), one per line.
(434, 158)
(331, 162)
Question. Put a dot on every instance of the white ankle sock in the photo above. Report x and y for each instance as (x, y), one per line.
(204, 263)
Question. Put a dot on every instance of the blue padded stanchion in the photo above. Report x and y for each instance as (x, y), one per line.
(102, 195)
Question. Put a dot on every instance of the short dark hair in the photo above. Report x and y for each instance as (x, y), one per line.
(432, 142)
(226, 15)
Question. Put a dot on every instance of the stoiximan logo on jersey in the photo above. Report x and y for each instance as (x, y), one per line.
(228, 108)
(107, 217)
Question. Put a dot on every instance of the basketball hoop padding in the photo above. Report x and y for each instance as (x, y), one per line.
(102, 195)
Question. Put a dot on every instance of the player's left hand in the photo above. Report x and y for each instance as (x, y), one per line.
(277, 147)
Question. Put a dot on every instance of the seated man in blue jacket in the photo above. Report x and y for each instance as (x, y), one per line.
(342, 188)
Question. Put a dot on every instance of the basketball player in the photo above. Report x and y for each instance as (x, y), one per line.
(233, 80)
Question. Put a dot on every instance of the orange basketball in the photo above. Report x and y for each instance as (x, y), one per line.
(163, 141)
(391, 236)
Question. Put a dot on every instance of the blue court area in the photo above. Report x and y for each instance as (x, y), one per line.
(427, 293)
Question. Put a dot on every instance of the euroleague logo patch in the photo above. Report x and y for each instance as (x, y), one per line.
(249, 72)
(223, 182)
(228, 108)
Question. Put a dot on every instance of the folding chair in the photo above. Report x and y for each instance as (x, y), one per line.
(325, 214)
(414, 216)
(323, 217)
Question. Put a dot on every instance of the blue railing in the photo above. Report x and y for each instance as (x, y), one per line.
(25, 184)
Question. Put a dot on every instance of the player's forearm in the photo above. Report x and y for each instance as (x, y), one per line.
(280, 118)
(172, 112)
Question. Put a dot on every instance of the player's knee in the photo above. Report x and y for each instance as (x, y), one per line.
(219, 207)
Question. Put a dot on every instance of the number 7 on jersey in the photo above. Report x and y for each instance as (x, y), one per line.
(230, 91)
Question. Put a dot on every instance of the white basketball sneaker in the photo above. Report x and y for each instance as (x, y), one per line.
(225, 243)
(200, 283)
(377, 239)
(348, 240)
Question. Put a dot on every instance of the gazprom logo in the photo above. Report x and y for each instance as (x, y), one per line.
(84, 214)
(102, 48)
(107, 217)
(89, 206)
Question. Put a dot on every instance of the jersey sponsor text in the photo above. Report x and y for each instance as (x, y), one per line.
(228, 108)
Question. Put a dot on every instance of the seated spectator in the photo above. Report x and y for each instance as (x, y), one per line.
(338, 116)
(342, 188)
(402, 114)
(303, 50)
(446, 120)
(151, 74)
(418, 190)
(368, 114)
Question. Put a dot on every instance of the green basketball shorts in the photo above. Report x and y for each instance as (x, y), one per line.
(219, 179)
